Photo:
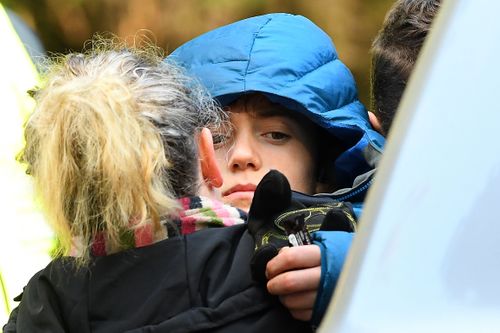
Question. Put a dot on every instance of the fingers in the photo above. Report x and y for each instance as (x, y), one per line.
(295, 281)
(290, 258)
(300, 305)
(294, 275)
(299, 301)
(304, 315)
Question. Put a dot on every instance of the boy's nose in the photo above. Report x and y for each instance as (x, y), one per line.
(243, 155)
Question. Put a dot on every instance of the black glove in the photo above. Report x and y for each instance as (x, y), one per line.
(276, 221)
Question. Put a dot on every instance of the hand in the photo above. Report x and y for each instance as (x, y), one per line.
(294, 275)
(272, 208)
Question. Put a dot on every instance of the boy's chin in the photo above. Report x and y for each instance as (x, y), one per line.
(241, 200)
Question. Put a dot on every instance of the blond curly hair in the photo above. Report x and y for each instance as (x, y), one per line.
(112, 140)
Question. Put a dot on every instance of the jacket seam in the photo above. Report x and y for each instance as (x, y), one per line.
(310, 72)
(256, 34)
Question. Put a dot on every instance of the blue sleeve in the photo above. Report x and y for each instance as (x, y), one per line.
(334, 246)
(357, 207)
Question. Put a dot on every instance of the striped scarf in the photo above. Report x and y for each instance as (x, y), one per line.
(196, 213)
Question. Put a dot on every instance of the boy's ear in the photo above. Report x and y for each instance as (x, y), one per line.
(374, 122)
(209, 169)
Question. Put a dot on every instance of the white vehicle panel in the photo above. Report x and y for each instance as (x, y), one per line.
(426, 258)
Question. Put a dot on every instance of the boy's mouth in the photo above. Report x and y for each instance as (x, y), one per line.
(240, 188)
(239, 196)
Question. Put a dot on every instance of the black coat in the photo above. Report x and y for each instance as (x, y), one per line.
(195, 283)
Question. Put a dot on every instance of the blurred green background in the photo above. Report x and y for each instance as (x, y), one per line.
(64, 25)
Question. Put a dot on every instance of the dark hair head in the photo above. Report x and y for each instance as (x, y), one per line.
(395, 51)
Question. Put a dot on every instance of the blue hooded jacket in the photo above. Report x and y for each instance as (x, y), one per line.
(294, 63)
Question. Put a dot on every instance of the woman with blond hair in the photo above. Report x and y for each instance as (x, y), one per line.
(112, 145)
(108, 128)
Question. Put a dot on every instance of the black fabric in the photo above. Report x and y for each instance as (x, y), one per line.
(10, 327)
(196, 283)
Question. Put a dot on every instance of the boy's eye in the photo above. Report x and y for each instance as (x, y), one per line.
(277, 136)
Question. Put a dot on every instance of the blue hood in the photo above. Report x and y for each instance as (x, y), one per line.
(294, 63)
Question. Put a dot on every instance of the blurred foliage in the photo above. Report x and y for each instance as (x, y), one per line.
(64, 25)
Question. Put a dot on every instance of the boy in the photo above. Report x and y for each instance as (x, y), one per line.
(294, 107)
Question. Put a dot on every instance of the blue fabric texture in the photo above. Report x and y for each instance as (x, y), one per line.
(334, 247)
(294, 63)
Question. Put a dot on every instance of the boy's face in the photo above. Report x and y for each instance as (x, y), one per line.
(264, 137)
